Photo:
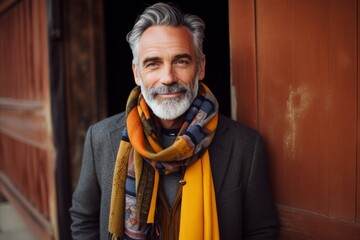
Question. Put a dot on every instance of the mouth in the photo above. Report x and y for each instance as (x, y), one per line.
(171, 94)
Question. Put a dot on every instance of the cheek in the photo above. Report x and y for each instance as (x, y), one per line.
(148, 80)
(186, 76)
(189, 80)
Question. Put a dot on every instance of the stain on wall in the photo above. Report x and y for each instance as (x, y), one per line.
(297, 104)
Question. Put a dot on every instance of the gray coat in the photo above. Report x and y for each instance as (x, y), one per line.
(243, 196)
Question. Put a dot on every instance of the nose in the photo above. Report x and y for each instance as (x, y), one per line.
(167, 76)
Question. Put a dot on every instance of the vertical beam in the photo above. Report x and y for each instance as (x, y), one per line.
(243, 61)
(59, 116)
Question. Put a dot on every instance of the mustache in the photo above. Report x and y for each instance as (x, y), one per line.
(168, 89)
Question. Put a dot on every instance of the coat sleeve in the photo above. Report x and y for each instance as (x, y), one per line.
(85, 207)
(260, 215)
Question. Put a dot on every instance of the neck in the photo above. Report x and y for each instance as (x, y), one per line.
(172, 124)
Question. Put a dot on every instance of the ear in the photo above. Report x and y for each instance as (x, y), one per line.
(136, 76)
(202, 68)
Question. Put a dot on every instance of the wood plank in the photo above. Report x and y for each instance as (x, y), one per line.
(299, 225)
(358, 123)
(342, 117)
(40, 226)
(84, 76)
(24, 120)
(243, 62)
(28, 169)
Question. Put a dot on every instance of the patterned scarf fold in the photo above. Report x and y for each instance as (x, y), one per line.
(141, 159)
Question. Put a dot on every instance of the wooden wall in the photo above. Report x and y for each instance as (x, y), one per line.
(295, 78)
(26, 149)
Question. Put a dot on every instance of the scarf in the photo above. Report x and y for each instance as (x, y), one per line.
(141, 159)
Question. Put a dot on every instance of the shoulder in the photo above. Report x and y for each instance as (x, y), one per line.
(109, 127)
(109, 124)
(236, 137)
(231, 129)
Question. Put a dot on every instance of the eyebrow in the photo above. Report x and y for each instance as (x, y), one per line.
(183, 55)
(149, 59)
(179, 56)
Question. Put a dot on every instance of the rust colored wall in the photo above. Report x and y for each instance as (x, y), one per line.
(295, 75)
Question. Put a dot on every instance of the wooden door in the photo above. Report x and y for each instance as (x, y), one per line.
(27, 154)
(294, 68)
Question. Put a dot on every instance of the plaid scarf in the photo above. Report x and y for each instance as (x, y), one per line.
(141, 159)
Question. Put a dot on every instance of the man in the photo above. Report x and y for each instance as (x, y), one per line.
(172, 167)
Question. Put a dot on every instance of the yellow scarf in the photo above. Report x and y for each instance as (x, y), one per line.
(141, 157)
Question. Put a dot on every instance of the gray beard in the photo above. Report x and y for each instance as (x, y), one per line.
(170, 109)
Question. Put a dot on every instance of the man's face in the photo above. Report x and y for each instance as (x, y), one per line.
(168, 72)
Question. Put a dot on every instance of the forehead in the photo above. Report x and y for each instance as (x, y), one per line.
(159, 40)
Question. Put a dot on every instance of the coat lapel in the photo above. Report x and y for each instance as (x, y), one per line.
(115, 134)
(220, 151)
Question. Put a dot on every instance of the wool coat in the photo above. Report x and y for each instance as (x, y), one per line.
(239, 167)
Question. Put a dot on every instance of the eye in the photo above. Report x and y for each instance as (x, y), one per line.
(183, 62)
(151, 64)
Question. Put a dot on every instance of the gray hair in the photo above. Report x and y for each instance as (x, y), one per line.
(166, 14)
